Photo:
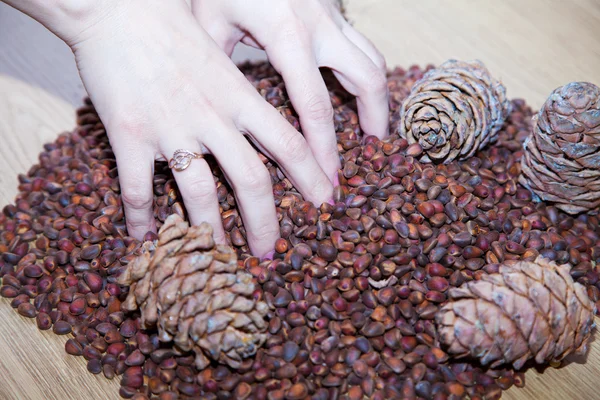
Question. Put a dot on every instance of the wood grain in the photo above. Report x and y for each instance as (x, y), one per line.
(534, 46)
(34, 364)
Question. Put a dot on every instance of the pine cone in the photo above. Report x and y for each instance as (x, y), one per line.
(527, 310)
(561, 162)
(196, 294)
(453, 111)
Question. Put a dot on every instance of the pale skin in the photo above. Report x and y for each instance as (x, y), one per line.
(160, 77)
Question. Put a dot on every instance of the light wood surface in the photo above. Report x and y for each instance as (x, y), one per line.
(533, 46)
(34, 364)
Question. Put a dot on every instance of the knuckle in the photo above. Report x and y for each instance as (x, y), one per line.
(264, 233)
(219, 236)
(134, 225)
(235, 83)
(130, 124)
(375, 80)
(380, 62)
(319, 109)
(255, 178)
(288, 30)
(285, 13)
(135, 197)
(242, 111)
(200, 191)
(294, 147)
(196, 99)
(291, 35)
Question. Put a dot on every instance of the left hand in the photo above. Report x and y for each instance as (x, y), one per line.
(299, 36)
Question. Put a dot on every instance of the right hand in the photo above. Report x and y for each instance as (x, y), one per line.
(159, 84)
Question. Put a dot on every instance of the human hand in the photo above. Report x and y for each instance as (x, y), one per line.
(160, 83)
(299, 36)
(156, 89)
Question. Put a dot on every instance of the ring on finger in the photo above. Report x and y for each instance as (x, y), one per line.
(182, 159)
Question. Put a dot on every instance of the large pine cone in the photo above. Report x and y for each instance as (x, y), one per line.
(561, 162)
(453, 111)
(527, 310)
(196, 294)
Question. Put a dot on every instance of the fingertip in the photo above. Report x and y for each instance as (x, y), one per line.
(220, 238)
(336, 179)
(385, 133)
(335, 170)
(219, 233)
(140, 232)
(264, 247)
(135, 171)
(374, 118)
(336, 183)
(269, 255)
(327, 159)
(322, 191)
(140, 223)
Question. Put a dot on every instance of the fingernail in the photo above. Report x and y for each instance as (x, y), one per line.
(269, 255)
(336, 180)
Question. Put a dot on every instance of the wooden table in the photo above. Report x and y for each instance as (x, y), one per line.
(533, 46)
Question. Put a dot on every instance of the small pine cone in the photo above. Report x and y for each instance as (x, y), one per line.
(453, 111)
(527, 310)
(196, 294)
(561, 161)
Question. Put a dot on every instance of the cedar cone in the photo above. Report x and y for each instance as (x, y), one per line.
(527, 310)
(195, 293)
(561, 162)
(453, 111)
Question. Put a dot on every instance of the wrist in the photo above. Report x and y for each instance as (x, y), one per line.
(72, 20)
(67, 19)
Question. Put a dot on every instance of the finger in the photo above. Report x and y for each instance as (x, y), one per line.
(224, 37)
(304, 83)
(249, 40)
(361, 77)
(288, 148)
(365, 45)
(251, 184)
(222, 32)
(136, 171)
(198, 189)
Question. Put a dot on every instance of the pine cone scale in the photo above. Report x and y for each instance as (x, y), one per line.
(526, 311)
(139, 266)
(168, 291)
(203, 239)
(561, 162)
(142, 289)
(197, 294)
(484, 291)
(194, 283)
(194, 263)
(453, 111)
(590, 119)
(171, 231)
